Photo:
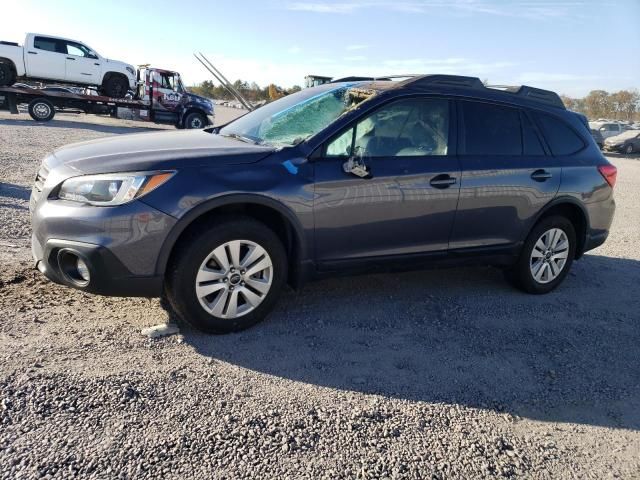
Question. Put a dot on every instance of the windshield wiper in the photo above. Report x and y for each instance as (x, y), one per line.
(242, 138)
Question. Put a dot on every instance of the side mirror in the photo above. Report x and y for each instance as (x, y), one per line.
(356, 166)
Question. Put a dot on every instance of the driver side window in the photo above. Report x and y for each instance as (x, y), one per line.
(406, 128)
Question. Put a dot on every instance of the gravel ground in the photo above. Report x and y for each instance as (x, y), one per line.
(437, 374)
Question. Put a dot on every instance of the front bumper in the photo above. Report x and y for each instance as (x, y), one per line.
(613, 148)
(108, 275)
(120, 245)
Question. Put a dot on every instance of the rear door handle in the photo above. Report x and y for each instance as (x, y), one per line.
(70, 58)
(541, 175)
(32, 53)
(442, 181)
(97, 64)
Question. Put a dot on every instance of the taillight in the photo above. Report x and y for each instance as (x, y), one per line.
(609, 172)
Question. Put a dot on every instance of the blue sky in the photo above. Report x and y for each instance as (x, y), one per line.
(571, 46)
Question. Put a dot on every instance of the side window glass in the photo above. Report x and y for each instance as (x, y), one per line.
(407, 128)
(561, 138)
(43, 43)
(74, 50)
(491, 129)
(341, 146)
(532, 145)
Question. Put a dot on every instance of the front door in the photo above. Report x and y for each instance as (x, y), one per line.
(507, 177)
(408, 201)
(83, 66)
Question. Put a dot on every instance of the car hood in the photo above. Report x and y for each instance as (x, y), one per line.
(153, 151)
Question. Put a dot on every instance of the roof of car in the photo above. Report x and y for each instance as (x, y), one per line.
(470, 86)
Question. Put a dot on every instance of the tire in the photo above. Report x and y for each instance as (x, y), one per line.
(199, 259)
(41, 110)
(522, 274)
(628, 149)
(195, 120)
(7, 75)
(116, 86)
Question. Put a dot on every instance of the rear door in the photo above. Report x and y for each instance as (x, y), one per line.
(46, 58)
(507, 175)
(408, 203)
(82, 65)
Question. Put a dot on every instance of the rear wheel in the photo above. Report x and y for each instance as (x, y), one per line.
(116, 86)
(41, 110)
(628, 149)
(546, 257)
(7, 75)
(228, 276)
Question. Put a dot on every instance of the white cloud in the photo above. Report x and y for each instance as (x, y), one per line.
(353, 48)
(542, 9)
(355, 58)
(323, 7)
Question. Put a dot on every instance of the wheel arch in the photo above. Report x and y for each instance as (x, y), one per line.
(266, 210)
(12, 65)
(107, 76)
(572, 209)
(192, 109)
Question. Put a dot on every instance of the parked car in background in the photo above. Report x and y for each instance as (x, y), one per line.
(597, 136)
(627, 142)
(48, 58)
(353, 176)
(607, 129)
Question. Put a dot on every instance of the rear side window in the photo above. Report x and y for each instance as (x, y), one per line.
(44, 43)
(491, 129)
(532, 145)
(561, 138)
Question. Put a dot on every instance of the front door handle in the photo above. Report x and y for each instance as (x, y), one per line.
(70, 58)
(442, 181)
(541, 175)
(32, 53)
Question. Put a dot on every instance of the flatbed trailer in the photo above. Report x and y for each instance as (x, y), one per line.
(161, 98)
(42, 104)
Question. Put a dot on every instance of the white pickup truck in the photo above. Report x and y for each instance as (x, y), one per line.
(48, 58)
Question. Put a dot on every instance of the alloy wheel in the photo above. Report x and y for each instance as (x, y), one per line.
(41, 110)
(549, 255)
(234, 279)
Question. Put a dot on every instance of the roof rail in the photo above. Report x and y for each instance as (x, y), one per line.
(535, 94)
(445, 80)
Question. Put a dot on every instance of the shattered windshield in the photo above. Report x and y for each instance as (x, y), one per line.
(296, 117)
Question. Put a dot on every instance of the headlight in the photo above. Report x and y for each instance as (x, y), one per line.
(111, 189)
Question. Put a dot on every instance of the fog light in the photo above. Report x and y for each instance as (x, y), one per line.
(83, 270)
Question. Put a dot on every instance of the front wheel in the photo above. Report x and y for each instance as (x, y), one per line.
(195, 120)
(116, 86)
(546, 257)
(628, 149)
(228, 276)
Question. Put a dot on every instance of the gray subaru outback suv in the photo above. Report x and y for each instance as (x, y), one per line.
(344, 177)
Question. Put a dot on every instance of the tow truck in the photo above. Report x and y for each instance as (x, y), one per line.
(160, 98)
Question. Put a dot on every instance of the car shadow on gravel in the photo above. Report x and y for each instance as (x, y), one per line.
(461, 337)
(10, 190)
(79, 126)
